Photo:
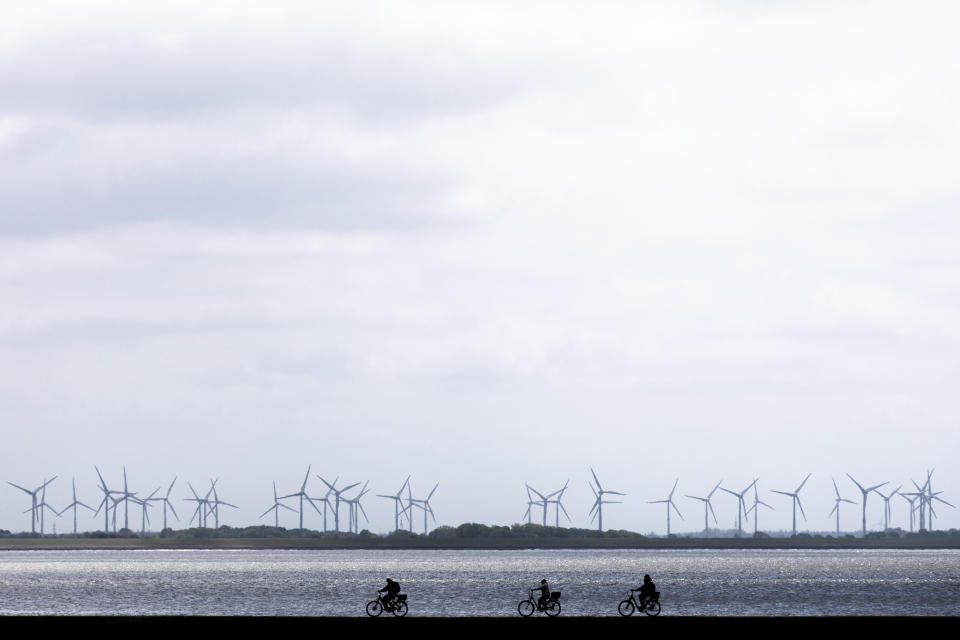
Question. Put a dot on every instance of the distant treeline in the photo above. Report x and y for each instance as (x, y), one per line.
(472, 531)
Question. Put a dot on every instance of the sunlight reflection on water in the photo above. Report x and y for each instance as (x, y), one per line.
(481, 583)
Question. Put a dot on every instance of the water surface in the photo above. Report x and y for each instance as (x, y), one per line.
(478, 583)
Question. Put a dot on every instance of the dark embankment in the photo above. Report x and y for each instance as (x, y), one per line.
(664, 626)
(466, 536)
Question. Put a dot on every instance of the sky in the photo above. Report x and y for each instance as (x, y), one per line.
(481, 244)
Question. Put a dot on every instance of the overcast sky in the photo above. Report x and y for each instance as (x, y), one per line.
(481, 244)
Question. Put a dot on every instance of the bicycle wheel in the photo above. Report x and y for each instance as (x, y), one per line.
(552, 608)
(400, 609)
(626, 608)
(652, 608)
(526, 608)
(374, 608)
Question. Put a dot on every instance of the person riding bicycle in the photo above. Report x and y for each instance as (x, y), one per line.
(648, 589)
(392, 590)
(544, 589)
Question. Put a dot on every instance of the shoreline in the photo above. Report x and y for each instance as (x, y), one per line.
(474, 544)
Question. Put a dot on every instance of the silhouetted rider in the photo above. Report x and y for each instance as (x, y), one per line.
(392, 589)
(647, 590)
(544, 594)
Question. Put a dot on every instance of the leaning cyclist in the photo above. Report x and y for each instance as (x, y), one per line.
(647, 590)
(392, 589)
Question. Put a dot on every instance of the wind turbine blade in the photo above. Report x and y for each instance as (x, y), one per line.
(835, 507)
(430, 495)
(800, 504)
(595, 479)
(327, 483)
(804, 482)
(564, 509)
(835, 489)
(283, 506)
(712, 512)
(363, 512)
(21, 488)
(671, 504)
(859, 486)
(670, 495)
(303, 487)
(170, 488)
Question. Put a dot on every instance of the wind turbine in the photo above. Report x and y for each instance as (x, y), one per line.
(73, 505)
(796, 501)
(742, 507)
(203, 507)
(215, 508)
(166, 502)
(911, 500)
(105, 503)
(931, 496)
(865, 492)
(755, 507)
(144, 516)
(670, 503)
(303, 494)
(886, 506)
(597, 509)
(707, 508)
(557, 501)
(352, 505)
(542, 502)
(337, 499)
(34, 504)
(277, 505)
(528, 514)
(398, 508)
(836, 506)
(424, 503)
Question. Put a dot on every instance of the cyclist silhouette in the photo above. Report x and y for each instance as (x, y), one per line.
(392, 589)
(544, 593)
(648, 589)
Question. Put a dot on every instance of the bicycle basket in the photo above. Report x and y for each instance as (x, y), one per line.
(555, 595)
(402, 597)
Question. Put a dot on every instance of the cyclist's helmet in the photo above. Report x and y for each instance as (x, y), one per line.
(544, 581)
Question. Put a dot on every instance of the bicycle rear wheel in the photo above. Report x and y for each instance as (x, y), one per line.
(374, 608)
(552, 608)
(400, 609)
(526, 608)
(626, 608)
(652, 608)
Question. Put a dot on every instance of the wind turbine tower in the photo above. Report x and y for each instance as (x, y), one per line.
(670, 503)
(741, 504)
(707, 508)
(424, 504)
(303, 494)
(73, 505)
(865, 492)
(277, 505)
(886, 506)
(597, 509)
(796, 501)
(559, 505)
(398, 508)
(755, 507)
(34, 503)
(166, 502)
(836, 506)
(337, 496)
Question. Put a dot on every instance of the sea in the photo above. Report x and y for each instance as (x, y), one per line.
(478, 583)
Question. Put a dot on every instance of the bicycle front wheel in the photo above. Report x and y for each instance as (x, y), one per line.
(553, 608)
(626, 608)
(526, 608)
(374, 608)
(400, 609)
(653, 608)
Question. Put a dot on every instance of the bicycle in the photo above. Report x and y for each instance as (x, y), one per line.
(650, 606)
(551, 607)
(397, 607)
